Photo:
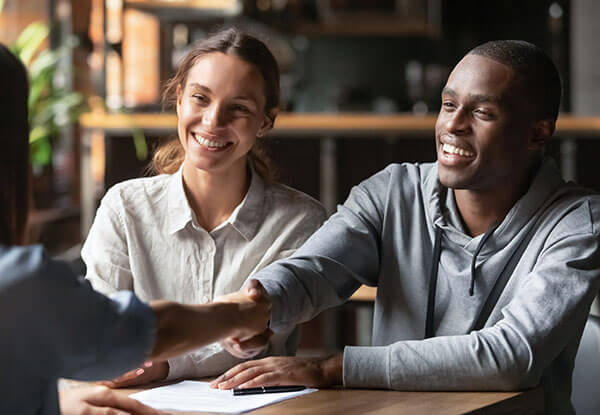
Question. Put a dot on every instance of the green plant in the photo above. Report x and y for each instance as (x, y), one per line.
(51, 104)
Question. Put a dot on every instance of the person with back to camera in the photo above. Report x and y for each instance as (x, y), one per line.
(53, 324)
(486, 262)
(213, 216)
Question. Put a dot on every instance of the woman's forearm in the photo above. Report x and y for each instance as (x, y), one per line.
(180, 327)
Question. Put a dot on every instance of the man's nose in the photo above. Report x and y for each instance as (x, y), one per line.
(457, 121)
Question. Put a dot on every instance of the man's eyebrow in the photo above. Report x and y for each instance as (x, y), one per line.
(473, 97)
(448, 91)
(484, 98)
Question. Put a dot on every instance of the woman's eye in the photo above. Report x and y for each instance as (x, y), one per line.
(199, 98)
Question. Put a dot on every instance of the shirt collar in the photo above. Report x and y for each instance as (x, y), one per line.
(245, 218)
(179, 212)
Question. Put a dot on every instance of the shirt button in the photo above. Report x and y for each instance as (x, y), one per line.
(205, 299)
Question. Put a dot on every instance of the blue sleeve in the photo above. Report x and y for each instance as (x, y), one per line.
(53, 323)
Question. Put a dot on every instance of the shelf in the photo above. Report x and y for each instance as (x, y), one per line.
(188, 9)
(313, 126)
(385, 27)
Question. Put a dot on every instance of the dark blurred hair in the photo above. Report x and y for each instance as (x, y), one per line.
(535, 66)
(232, 41)
(14, 152)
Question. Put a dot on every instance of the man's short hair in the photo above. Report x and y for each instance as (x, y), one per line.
(539, 72)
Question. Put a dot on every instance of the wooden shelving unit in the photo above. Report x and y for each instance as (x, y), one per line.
(323, 127)
(313, 126)
(187, 9)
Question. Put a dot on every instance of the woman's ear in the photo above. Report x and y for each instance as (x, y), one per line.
(267, 123)
(179, 98)
(542, 133)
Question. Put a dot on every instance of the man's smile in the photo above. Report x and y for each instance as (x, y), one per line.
(452, 149)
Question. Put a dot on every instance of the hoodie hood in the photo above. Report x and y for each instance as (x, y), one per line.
(545, 187)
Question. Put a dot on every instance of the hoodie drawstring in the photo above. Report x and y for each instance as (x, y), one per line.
(485, 237)
(433, 274)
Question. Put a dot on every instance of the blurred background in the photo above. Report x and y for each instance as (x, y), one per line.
(361, 83)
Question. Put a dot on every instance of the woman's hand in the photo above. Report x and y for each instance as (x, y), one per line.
(280, 370)
(150, 372)
(247, 349)
(100, 400)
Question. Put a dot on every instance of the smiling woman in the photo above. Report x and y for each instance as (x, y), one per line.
(255, 58)
(213, 216)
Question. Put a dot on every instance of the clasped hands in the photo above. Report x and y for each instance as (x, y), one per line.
(241, 318)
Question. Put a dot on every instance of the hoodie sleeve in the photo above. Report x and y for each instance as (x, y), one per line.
(546, 314)
(333, 263)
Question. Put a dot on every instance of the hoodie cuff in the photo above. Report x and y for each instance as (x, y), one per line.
(366, 367)
(279, 318)
(179, 367)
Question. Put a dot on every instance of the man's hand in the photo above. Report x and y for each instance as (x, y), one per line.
(100, 400)
(148, 373)
(271, 371)
(253, 314)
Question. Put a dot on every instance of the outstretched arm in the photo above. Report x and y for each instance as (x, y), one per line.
(180, 328)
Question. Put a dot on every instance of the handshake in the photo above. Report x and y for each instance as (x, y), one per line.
(252, 333)
(240, 318)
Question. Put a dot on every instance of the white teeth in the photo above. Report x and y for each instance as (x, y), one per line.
(208, 143)
(449, 148)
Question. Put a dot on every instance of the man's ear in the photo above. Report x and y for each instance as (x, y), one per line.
(542, 133)
(267, 123)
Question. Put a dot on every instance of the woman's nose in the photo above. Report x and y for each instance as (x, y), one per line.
(212, 117)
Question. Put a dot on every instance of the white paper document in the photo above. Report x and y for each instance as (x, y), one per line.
(198, 396)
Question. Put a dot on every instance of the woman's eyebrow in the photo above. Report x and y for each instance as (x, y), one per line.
(197, 86)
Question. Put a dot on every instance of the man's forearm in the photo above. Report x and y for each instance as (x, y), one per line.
(333, 369)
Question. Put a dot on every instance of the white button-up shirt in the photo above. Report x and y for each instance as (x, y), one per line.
(146, 238)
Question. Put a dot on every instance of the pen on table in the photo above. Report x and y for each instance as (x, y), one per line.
(268, 389)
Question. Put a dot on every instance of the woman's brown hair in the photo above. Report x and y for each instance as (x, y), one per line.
(14, 156)
(169, 156)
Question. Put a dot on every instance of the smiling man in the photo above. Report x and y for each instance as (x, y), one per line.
(486, 262)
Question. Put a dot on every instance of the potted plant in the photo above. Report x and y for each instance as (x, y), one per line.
(52, 105)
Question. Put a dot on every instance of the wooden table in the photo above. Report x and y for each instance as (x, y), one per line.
(379, 402)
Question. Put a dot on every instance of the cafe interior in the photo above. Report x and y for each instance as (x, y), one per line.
(360, 89)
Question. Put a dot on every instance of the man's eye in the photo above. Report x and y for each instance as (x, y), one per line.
(448, 105)
(240, 108)
(483, 113)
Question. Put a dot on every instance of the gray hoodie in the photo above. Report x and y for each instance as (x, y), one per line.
(543, 260)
